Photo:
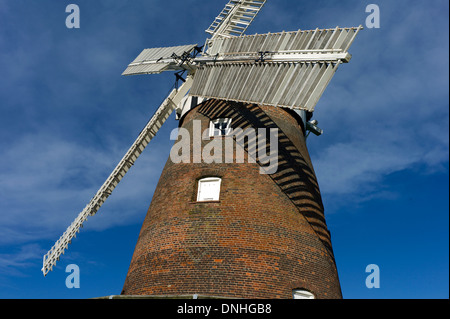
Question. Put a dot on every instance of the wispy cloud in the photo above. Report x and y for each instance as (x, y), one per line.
(387, 111)
(13, 264)
(49, 181)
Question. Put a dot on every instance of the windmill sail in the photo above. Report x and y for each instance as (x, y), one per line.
(235, 18)
(146, 135)
(157, 60)
(288, 85)
(321, 40)
(288, 69)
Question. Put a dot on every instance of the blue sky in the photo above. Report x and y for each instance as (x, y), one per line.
(67, 116)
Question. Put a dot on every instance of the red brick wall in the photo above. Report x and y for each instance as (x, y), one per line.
(266, 236)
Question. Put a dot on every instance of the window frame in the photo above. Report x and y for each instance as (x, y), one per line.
(216, 196)
(212, 127)
(302, 294)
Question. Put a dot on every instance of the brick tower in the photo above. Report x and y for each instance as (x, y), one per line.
(263, 236)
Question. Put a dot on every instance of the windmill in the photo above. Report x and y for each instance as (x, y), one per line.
(285, 71)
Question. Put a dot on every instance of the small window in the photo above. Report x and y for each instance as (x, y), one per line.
(209, 189)
(302, 294)
(220, 127)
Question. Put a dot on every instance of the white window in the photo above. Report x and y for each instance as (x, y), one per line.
(302, 294)
(209, 189)
(220, 127)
